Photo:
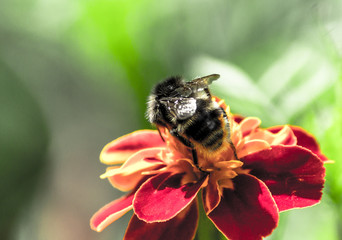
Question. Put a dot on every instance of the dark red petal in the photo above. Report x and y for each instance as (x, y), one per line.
(120, 149)
(304, 139)
(238, 118)
(162, 197)
(293, 174)
(246, 213)
(111, 212)
(211, 197)
(183, 226)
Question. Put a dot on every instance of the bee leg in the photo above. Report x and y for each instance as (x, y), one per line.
(233, 147)
(229, 133)
(160, 134)
(194, 157)
(187, 143)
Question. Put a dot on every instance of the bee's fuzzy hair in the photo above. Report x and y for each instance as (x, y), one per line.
(152, 108)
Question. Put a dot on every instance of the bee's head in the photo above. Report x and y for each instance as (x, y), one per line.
(156, 111)
(167, 87)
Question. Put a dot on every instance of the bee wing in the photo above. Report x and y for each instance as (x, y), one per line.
(195, 85)
(183, 91)
(180, 108)
(203, 82)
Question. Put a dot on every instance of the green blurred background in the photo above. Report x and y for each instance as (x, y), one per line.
(76, 74)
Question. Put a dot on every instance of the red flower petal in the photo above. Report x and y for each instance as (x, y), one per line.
(304, 139)
(294, 175)
(252, 146)
(182, 226)
(111, 212)
(248, 125)
(211, 197)
(162, 197)
(120, 149)
(238, 118)
(246, 213)
(130, 173)
(285, 136)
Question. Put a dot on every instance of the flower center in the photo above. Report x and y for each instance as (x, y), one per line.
(223, 172)
(221, 166)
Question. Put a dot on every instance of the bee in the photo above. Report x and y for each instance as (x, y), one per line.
(188, 111)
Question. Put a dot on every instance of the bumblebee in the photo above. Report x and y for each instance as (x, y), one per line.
(187, 110)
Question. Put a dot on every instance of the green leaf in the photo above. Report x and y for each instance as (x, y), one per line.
(240, 92)
(288, 87)
(314, 223)
(276, 78)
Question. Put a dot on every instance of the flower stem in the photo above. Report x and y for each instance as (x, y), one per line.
(206, 229)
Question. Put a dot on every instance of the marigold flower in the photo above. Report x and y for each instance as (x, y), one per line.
(276, 169)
